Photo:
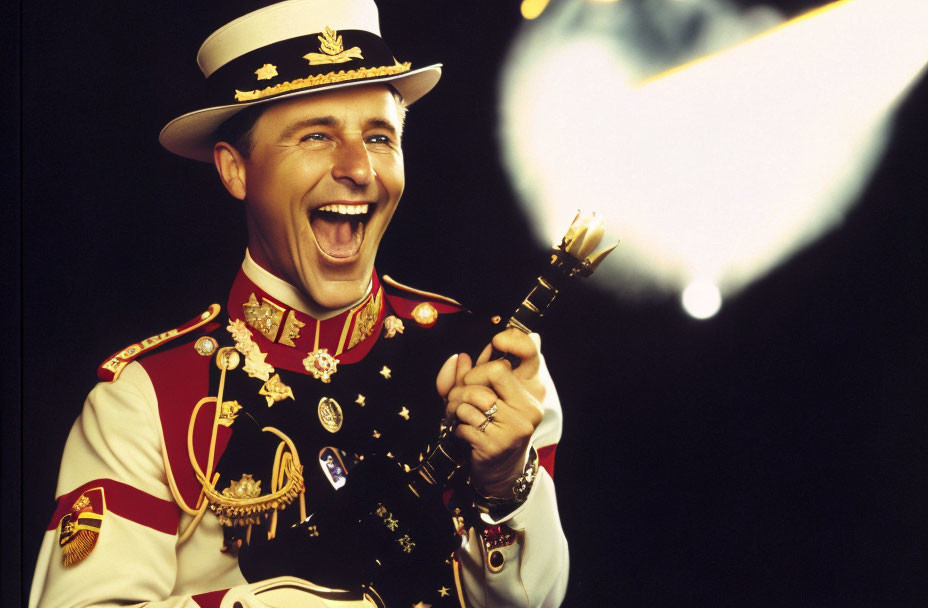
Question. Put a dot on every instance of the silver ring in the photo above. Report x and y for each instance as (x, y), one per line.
(483, 427)
(492, 410)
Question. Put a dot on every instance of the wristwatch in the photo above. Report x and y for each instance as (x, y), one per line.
(500, 507)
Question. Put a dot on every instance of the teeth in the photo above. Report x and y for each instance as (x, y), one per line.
(360, 209)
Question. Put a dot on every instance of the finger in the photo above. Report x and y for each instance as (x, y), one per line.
(464, 365)
(481, 397)
(478, 440)
(508, 388)
(524, 346)
(470, 414)
(444, 382)
(497, 375)
(485, 354)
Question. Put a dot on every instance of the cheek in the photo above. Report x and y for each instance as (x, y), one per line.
(391, 172)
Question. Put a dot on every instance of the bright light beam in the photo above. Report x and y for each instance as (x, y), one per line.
(718, 170)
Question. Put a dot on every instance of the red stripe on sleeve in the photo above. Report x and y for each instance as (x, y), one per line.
(125, 501)
(546, 458)
(211, 599)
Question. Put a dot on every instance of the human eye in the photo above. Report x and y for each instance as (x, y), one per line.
(314, 137)
(381, 141)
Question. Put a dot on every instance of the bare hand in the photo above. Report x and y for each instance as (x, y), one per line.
(499, 451)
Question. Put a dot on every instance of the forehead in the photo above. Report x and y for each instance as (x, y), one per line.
(350, 107)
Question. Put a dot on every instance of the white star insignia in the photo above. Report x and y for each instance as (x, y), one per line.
(385, 372)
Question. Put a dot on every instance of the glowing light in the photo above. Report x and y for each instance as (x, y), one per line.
(722, 168)
(532, 9)
(701, 299)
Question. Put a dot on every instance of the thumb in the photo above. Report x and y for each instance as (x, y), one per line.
(444, 382)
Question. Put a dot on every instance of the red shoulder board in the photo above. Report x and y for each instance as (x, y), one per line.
(110, 369)
(421, 306)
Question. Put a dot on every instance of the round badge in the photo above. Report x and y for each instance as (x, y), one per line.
(330, 414)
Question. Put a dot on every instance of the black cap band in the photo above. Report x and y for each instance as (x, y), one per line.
(300, 63)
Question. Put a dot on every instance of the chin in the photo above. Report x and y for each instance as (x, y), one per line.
(338, 292)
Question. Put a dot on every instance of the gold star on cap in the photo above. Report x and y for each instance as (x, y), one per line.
(266, 71)
(404, 413)
(443, 592)
(360, 400)
(385, 372)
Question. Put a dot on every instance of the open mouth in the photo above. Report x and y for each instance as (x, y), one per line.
(339, 227)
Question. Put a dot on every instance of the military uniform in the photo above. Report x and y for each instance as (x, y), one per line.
(158, 486)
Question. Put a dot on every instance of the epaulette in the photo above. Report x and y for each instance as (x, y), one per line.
(113, 365)
(421, 306)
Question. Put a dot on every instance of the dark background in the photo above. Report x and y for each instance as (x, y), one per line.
(774, 455)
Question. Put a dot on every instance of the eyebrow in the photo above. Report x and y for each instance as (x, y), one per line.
(331, 121)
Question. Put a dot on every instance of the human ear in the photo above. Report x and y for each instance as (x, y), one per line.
(231, 167)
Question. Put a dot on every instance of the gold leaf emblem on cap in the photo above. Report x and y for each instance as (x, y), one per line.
(425, 314)
(266, 71)
(333, 50)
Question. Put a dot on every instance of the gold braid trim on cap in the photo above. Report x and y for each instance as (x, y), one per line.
(322, 79)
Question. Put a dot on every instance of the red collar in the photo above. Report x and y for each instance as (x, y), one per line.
(288, 335)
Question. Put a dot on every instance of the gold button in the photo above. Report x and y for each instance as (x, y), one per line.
(425, 314)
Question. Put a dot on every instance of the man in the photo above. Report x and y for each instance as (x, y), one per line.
(316, 364)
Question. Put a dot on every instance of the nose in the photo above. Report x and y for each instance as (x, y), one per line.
(352, 164)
